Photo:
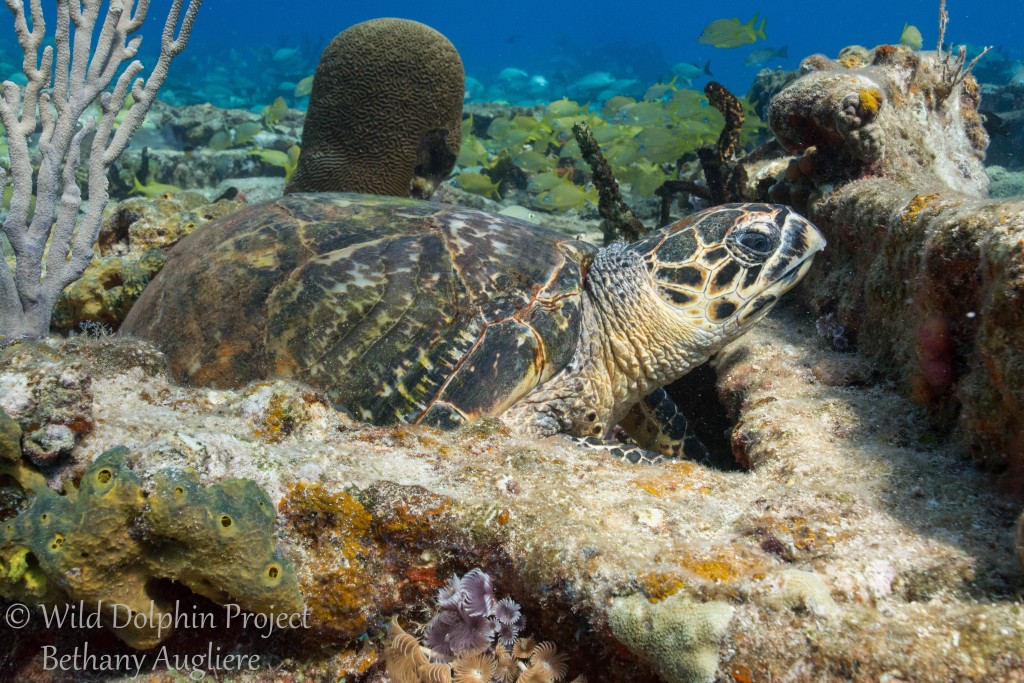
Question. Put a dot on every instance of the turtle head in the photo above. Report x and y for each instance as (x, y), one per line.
(722, 269)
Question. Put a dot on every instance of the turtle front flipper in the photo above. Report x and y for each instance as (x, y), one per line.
(617, 449)
(656, 424)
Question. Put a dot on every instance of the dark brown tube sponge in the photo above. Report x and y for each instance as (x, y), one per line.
(385, 113)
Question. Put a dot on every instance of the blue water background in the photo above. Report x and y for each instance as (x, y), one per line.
(564, 41)
(628, 39)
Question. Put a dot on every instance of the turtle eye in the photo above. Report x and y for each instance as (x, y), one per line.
(757, 242)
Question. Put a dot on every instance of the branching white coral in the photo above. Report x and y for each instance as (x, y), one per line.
(52, 246)
(953, 69)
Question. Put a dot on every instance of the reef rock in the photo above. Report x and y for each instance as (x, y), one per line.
(1005, 183)
(1003, 112)
(193, 127)
(129, 252)
(852, 526)
(923, 271)
(196, 147)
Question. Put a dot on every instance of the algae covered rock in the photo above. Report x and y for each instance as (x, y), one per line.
(52, 401)
(679, 635)
(106, 291)
(1004, 182)
(108, 541)
(338, 576)
(130, 251)
(923, 271)
(385, 113)
(847, 502)
(800, 590)
(904, 115)
(10, 438)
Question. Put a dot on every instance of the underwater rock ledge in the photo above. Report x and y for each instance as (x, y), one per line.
(925, 273)
(851, 523)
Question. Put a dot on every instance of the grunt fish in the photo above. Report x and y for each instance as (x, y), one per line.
(153, 189)
(731, 33)
(477, 183)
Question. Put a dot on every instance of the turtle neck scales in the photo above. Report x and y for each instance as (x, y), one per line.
(631, 344)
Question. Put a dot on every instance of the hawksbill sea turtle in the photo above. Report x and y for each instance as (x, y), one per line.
(408, 311)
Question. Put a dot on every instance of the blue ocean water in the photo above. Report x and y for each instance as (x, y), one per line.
(564, 42)
(244, 54)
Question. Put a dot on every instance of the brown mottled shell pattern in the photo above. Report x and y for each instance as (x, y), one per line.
(397, 309)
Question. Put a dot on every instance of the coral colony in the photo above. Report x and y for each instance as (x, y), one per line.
(52, 246)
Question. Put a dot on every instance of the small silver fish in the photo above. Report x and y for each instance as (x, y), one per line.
(766, 54)
(690, 72)
(512, 74)
(597, 80)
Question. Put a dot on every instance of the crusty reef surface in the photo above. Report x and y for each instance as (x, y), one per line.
(857, 545)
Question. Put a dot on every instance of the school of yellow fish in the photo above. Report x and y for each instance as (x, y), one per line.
(642, 140)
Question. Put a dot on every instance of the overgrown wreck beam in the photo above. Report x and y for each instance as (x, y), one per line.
(924, 271)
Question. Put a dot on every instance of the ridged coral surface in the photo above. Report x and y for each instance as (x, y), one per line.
(384, 91)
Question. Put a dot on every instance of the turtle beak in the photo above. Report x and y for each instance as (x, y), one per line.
(800, 242)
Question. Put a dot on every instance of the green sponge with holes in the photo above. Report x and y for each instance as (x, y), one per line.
(111, 540)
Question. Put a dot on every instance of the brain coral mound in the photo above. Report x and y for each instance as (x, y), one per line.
(115, 537)
(385, 114)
